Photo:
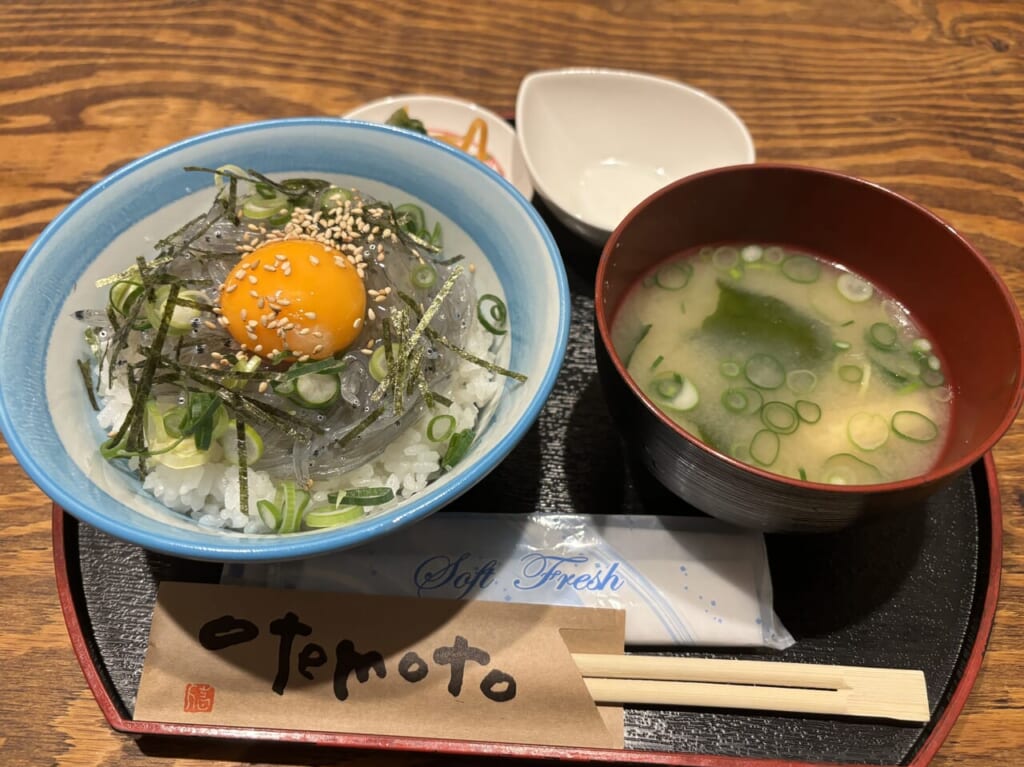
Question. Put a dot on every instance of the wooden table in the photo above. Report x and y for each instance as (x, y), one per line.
(924, 96)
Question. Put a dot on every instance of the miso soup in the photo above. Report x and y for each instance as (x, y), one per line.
(787, 362)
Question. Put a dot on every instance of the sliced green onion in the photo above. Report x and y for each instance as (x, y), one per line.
(842, 346)
(440, 427)
(330, 516)
(851, 373)
(458, 446)
(751, 253)
(492, 313)
(668, 386)
(291, 502)
(185, 309)
(853, 288)
(780, 417)
(675, 276)
(383, 357)
(176, 421)
(270, 515)
(253, 444)
(774, 254)
(890, 372)
(730, 369)
(921, 345)
(123, 294)
(362, 496)
(764, 447)
(764, 371)
(882, 336)
(914, 426)
(333, 196)
(423, 276)
(725, 258)
(848, 469)
(933, 378)
(801, 269)
(809, 412)
(867, 431)
(317, 390)
(674, 391)
(436, 238)
(411, 218)
(285, 388)
(657, 361)
(801, 381)
(734, 400)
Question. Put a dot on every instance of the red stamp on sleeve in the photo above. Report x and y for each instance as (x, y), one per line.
(198, 698)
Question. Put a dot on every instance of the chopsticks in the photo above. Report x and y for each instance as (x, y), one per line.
(882, 693)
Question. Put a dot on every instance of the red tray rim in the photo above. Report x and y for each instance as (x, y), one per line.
(926, 751)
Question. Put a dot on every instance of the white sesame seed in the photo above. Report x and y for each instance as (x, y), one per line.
(314, 260)
(263, 384)
(253, 279)
(269, 268)
(371, 315)
(254, 294)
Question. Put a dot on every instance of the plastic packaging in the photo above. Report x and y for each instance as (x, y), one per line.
(681, 580)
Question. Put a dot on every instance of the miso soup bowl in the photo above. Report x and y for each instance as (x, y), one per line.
(951, 292)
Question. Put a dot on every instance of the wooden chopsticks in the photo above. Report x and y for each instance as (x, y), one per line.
(882, 693)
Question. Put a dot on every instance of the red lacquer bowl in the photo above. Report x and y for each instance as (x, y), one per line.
(949, 289)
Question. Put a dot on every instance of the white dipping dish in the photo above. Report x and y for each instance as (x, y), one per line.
(448, 117)
(597, 142)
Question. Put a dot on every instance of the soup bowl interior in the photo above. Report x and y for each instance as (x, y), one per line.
(44, 410)
(950, 291)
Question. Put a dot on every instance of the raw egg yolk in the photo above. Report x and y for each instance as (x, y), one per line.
(299, 298)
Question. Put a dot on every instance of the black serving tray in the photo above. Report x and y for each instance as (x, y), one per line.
(914, 589)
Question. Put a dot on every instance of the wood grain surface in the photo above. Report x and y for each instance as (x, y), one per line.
(923, 96)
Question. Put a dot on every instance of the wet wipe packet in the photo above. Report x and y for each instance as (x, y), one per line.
(680, 580)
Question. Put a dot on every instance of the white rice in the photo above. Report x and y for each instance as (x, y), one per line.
(209, 493)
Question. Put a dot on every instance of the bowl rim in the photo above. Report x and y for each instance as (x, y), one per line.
(936, 473)
(539, 183)
(208, 545)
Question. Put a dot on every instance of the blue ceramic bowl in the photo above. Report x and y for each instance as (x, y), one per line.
(44, 411)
